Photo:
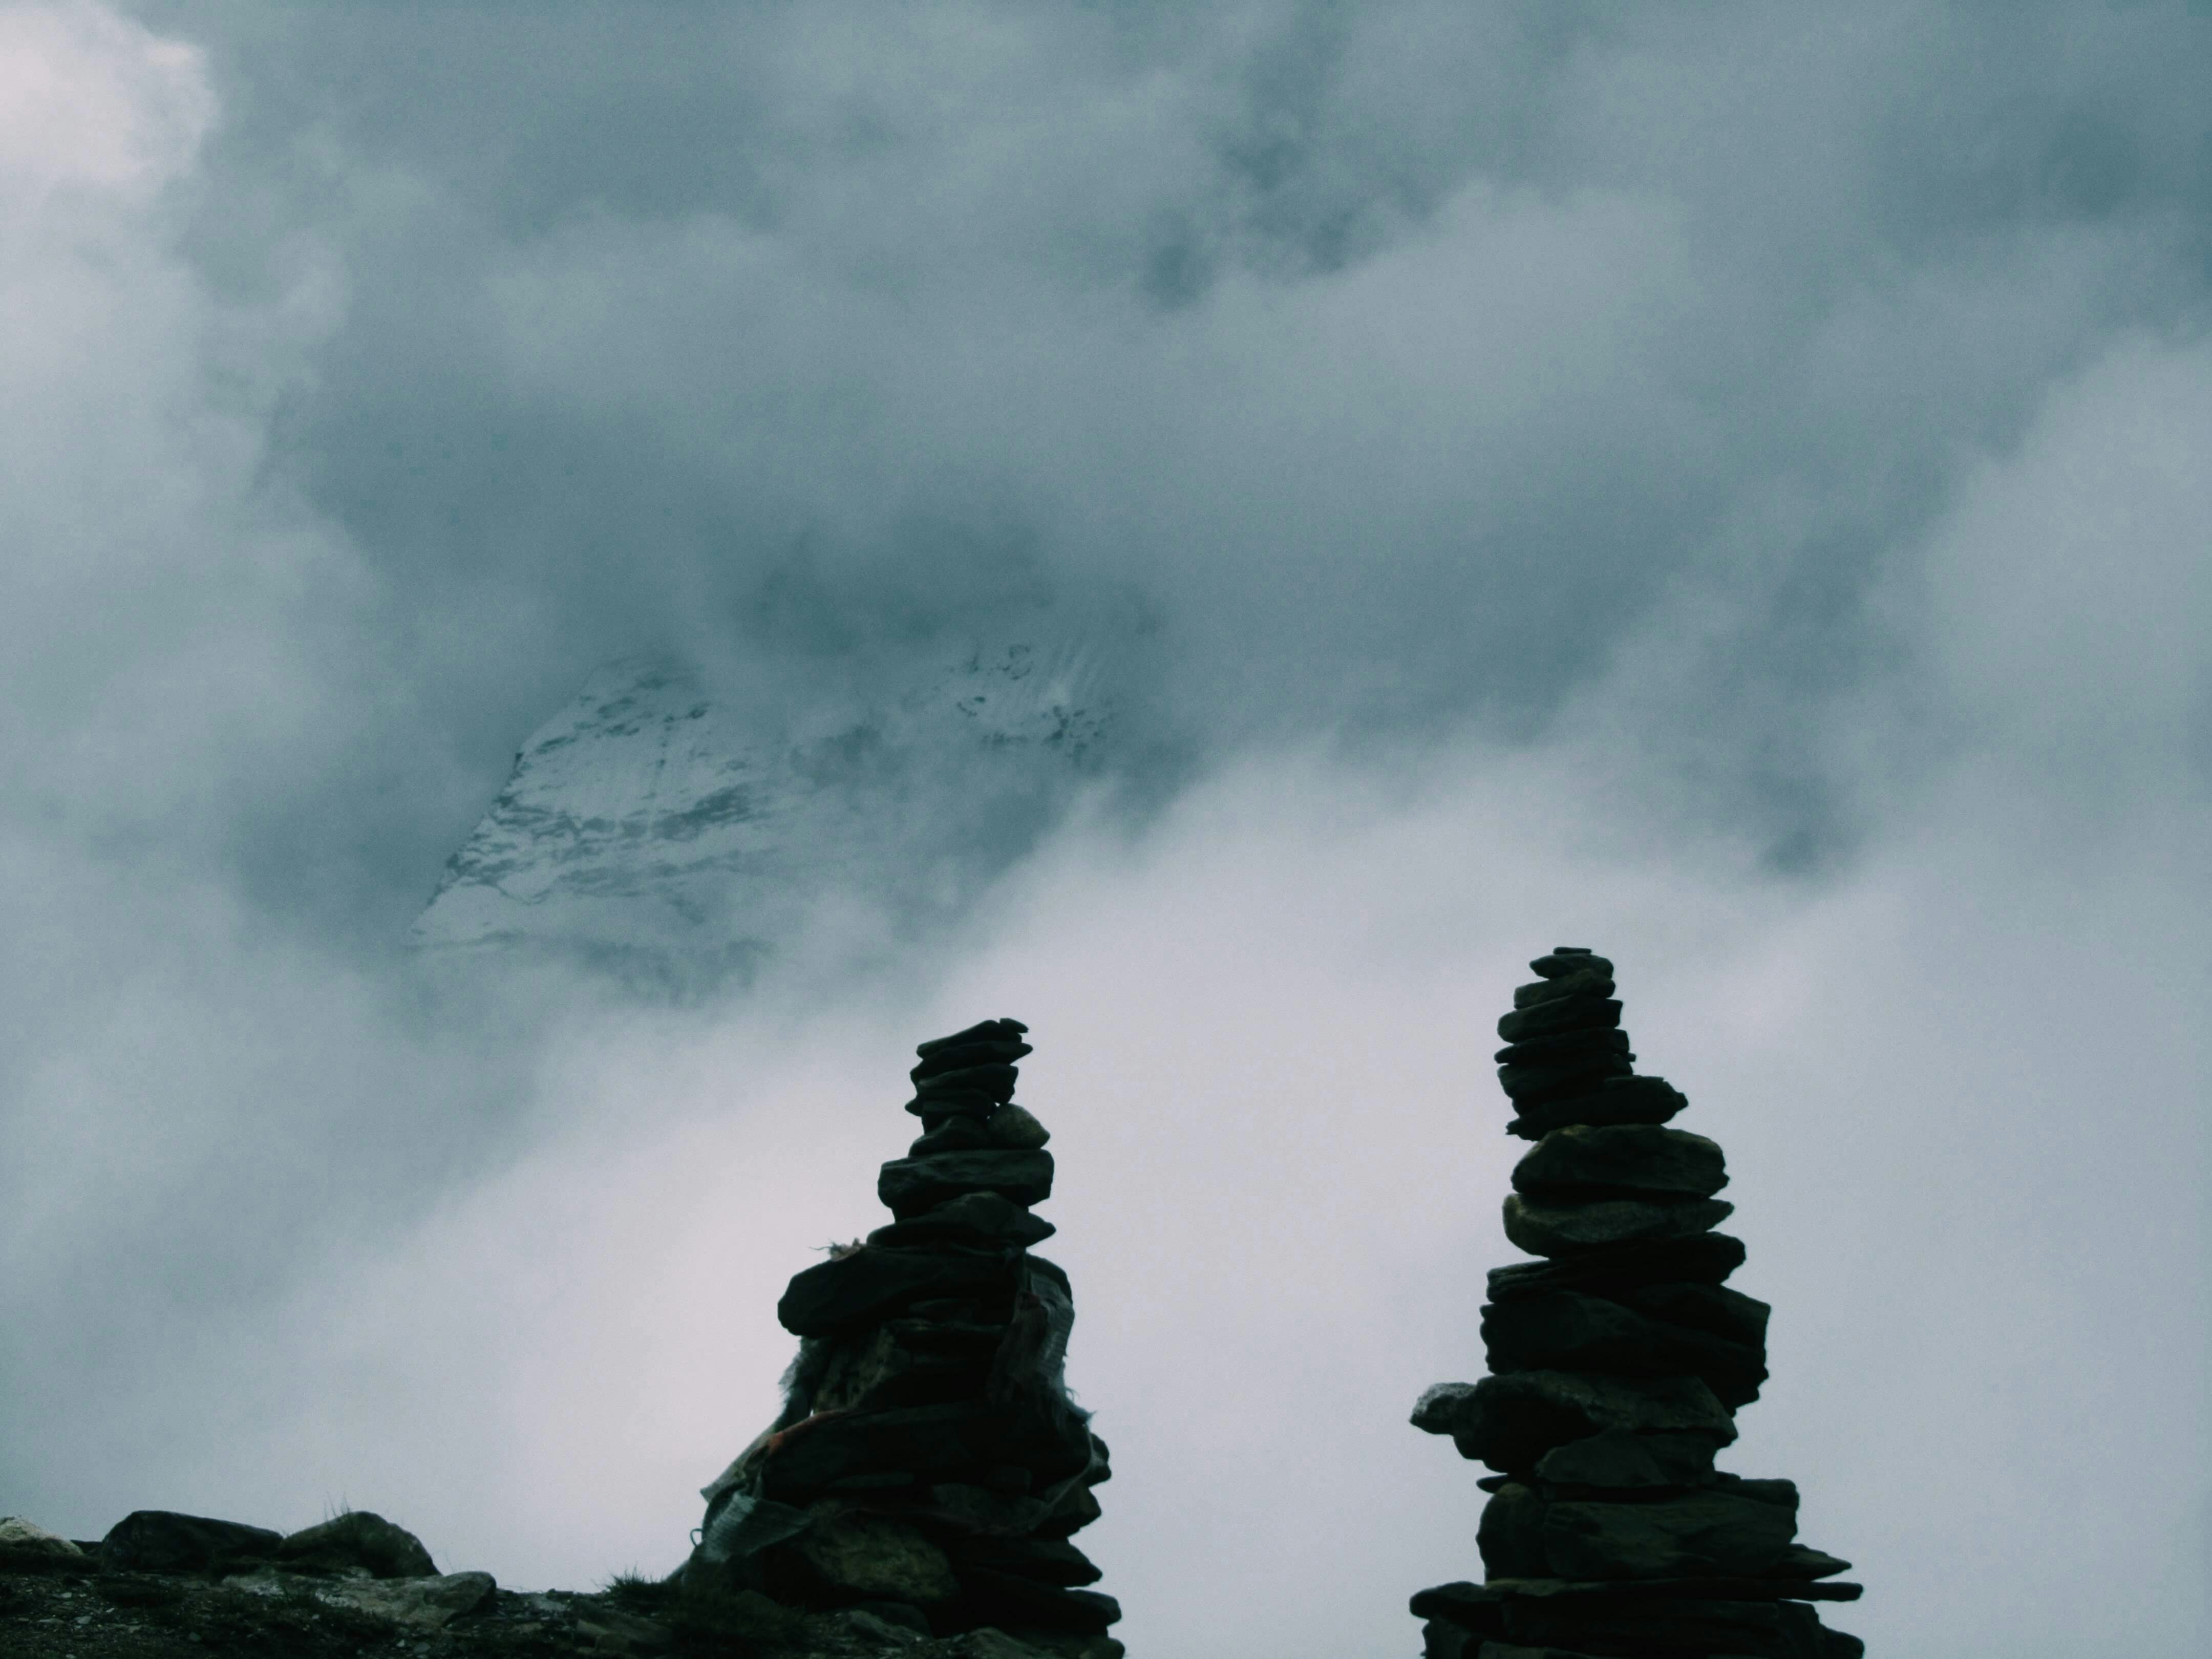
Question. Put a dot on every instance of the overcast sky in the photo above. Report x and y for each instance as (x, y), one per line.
(1724, 485)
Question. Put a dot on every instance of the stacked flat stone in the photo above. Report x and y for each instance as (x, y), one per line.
(1617, 1362)
(928, 1465)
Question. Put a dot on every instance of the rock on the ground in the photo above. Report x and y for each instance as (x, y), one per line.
(358, 1541)
(17, 1534)
(612, 1631)
(162, 1540)
(418, 1603)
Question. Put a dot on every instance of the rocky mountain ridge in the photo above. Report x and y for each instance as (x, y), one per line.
(661, 832)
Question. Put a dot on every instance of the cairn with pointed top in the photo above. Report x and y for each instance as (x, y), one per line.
(1617, 1364)
(928, 1466)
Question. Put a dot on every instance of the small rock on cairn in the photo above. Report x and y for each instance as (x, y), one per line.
(1617, 1364)
(928, 1466)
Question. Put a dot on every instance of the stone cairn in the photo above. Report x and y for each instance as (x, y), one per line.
(928, 1466)
(1617, 1364)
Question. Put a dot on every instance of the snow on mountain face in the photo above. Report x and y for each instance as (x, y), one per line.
(649, 832)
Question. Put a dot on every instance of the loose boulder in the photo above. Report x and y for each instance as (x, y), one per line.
(360, 1544)
(17, 1534)
(162, 1540)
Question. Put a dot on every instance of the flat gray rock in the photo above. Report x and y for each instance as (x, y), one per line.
(1582, 982)
(1048, 1560)
(1469, 1604)
(1619, 1099)
(1692, 1625)
(1623, 1157)
(1781, 1493)
(1713, 1308)
(1568, 1331)
(1704, 1258)
(864, 1285)
(1562, 1079)
(992, 1044)
(1509, 1422)
(1619, 1460)
(974, 1217)
(1002, 1030)
(417, 1603)
(1692, 1533)
(909, 1185)
(1802, 1561)
(1558, 1048)
(1567, 1229)
(1568, 1013)
(1710, 1588)
(1012, 1127)
(957, 1133)
(992, 1082)
(1562, 960)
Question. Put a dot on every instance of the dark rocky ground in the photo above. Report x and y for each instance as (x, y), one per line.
(71, 1608)
(915, 1496)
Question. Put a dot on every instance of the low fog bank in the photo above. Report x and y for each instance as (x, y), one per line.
(1958, 1091)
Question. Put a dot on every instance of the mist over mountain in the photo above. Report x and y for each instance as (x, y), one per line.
(677, 845)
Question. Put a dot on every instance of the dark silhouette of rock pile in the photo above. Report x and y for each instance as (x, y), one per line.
(1617, 1364)
(928, 1466)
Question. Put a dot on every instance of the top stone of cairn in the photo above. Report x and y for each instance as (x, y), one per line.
(1566, 1060)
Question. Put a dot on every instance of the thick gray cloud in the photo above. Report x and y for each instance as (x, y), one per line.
(1401, 357)
(1718, 482)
